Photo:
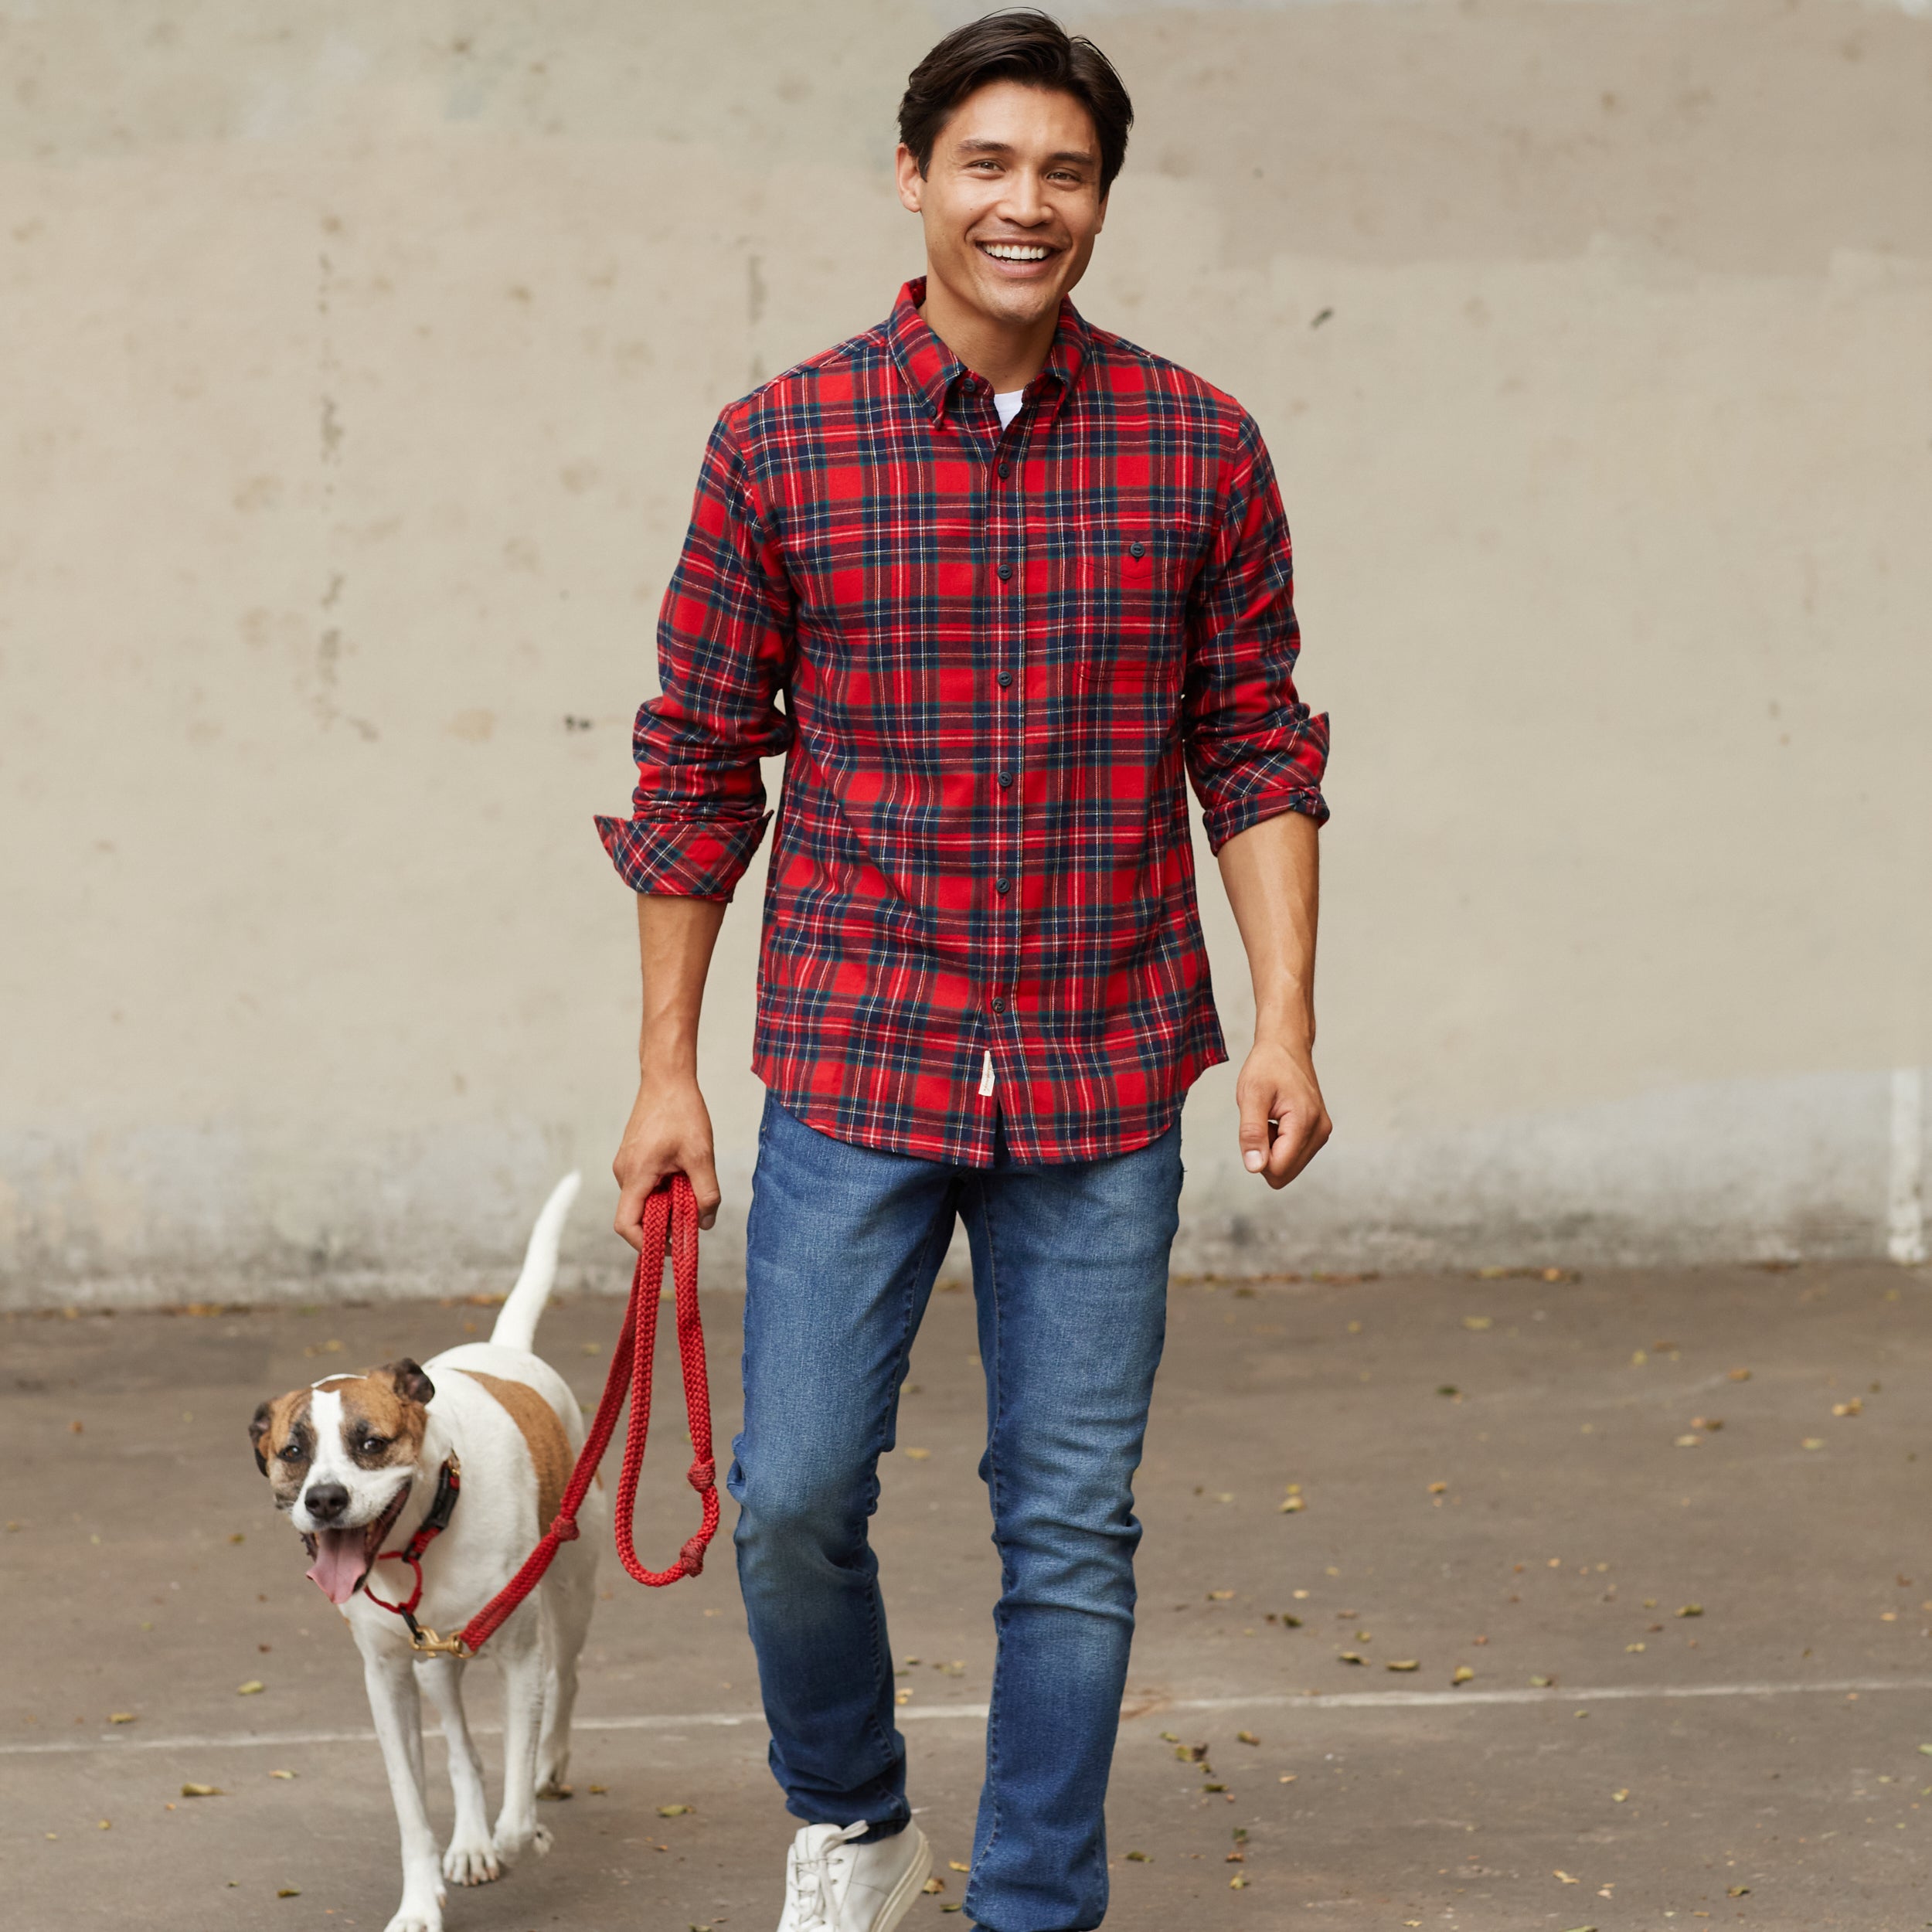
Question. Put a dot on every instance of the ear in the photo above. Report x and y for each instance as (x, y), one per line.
(407, 1377)
(256, 1429)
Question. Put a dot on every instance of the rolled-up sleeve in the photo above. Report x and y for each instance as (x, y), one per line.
(1253, 748)
(724, 656)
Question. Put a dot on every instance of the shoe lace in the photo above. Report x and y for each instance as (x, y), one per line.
(808, 1893)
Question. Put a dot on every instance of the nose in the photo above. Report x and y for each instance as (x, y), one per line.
(326, 1501)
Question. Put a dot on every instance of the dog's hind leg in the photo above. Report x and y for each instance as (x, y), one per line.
(398, 1711)
(569, 1595)
(522, 1662)
(470, 1857)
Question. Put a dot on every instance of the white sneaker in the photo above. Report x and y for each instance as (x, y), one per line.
(832, 1885)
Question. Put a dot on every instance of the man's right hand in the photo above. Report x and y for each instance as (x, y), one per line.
(669, 1132)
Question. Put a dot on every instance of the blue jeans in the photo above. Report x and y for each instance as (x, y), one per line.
(1069, 1271)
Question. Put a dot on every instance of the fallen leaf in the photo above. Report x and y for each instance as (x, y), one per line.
(106, 1824)
(918, 1455)
(1290, 1506)
(238, 1538)
(289, 1892)
(1463, 1675)
(1566, 1878)
(1630, 1647)
(1214, 1787)
(286, 1777)
(1740, 1375)
(120, 1717)
(1219, 1596)
(1735, 1891)
(1437, 1488)
(1349, 1657)
(954, 1907)
(1238, 1882)
(251, 1688)
(1542, 1683)
(954, 1865)
(1289, 1620)
(674, 1811)
(599, 1791)
(1617, 1798)
(1448, 1389)
(1812, 1442)
(203, 1790)
(1477, 1323)
(1689, 1442)
(1690, 1609)
(934, 1884)
(1712, 1423)
(1403, 1663)
(1854, 1407)
(1246, 1737)
(904, 1697)
(1925, 1750)
(1139, 1858)
(1638, 1360)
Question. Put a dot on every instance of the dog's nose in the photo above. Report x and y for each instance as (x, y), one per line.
(326, 1501)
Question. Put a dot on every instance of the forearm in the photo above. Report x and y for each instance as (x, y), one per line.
(675, 939)
(1272, 872)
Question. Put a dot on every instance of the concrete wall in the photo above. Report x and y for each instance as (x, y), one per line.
(357, 360)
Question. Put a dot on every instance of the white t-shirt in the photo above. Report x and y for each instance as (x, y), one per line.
(1008, 405)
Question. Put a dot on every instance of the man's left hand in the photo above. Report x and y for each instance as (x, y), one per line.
(1283, 1122)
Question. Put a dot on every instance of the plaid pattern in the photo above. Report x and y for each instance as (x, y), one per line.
(989, 660)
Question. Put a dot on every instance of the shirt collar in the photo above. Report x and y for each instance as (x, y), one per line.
(931, 369)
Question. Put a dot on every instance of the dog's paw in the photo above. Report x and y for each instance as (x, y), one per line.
(471, 1861)
(411, 1916)
(512, 1846)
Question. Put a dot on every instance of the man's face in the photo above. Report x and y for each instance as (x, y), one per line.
(1011, 202)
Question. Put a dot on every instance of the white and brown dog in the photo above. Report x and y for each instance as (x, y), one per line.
(358, 1462)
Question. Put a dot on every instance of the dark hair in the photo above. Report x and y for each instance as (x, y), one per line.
(1025, 45)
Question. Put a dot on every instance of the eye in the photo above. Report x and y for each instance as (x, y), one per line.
(292, 1453)
(373, 1445)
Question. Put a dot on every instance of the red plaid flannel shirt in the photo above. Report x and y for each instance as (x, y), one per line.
(987, 658)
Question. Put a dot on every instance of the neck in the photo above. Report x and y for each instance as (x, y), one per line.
(1008, 355)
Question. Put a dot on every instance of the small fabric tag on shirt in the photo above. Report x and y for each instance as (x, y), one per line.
(986, 1076)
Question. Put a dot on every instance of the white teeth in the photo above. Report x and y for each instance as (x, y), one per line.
(1015, 252)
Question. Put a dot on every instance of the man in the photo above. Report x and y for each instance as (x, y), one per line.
(995, 583)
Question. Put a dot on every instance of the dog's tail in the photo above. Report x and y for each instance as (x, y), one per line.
(516, 1326)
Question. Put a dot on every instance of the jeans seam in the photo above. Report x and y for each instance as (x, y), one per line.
(994, 1487)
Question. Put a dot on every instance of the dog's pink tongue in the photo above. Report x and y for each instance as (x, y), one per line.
(341, 1558)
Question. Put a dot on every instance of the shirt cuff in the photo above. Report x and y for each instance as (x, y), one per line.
(1226, 821)
(682, 858)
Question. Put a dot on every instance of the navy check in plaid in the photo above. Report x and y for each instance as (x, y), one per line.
(990, 660)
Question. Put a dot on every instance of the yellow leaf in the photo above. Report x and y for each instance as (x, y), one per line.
(1617, 1798)
(1691, 1610)
(1740, 1375)
(1139, 1858)
(203, 1790)
(1437, 1488)
(1812, 1442)
(286, 1777)
(1854, 1407)
(288, 1892)
(120, 1717)
(934, 1884)
(1238, 1882)
(1219, 1596)
(1630, 1647)
(954, 1865)
(1463, 1675)
(674, 1811)
(1735, 1891)
(1477, 1323)
(1293, 1504)
(599, 1791)
(251, 1688)
(918, 1455)
(1689, 1442)
(1246, 1737)
(1404, 1663)
(1566, 1878)
(1349, 1657)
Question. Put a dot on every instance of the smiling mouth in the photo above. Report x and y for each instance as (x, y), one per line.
(1021, 253)
(345, 1557)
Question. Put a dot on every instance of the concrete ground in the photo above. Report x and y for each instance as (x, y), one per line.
(1702, 1688)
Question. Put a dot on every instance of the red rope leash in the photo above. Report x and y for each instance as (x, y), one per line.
(670, 1221)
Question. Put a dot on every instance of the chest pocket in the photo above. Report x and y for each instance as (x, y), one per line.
(1131, 636)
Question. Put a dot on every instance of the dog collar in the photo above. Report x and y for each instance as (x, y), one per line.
(449, 1488)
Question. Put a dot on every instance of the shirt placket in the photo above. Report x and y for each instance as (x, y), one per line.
(1006, 553)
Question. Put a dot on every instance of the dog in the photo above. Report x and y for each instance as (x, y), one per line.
(358, 1463)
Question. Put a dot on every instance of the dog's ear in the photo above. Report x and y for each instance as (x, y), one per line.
(256, 1429)
(407, 1377)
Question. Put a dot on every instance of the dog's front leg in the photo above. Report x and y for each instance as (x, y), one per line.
(517, 1830)
(470, 1857)
(398, 1711)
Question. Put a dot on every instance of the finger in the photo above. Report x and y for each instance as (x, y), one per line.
(1254, 1136)
(701, 1171)
(1302, 1142)
(629, 1221)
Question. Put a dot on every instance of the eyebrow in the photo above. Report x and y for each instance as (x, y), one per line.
(982, 146)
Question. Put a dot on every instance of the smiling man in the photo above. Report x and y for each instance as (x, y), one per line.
(996, 584)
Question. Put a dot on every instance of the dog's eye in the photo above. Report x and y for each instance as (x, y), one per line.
(374, 1445)
(292, 1453)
